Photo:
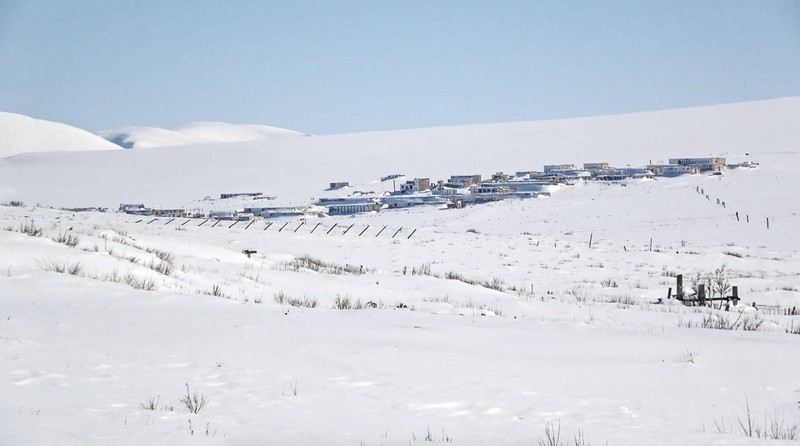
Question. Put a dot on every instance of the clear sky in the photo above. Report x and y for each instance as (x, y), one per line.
(347, 66)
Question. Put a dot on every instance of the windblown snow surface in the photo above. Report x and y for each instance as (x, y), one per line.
(489, 322)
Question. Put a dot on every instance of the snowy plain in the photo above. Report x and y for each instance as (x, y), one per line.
(489, 322)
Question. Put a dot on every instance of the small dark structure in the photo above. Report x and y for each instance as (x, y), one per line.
(700, 298)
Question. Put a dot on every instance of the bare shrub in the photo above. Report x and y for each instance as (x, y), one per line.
(28, 227)
(345, 303)
(310, 263)
(496, 284)
(422, 270)
(151, 403)
(139, 283)
(722, 321)
(216, 291)
(307, 302)
(552, 436)
(163, 267)
(193, 401)
(774, 426)
(608, 283)
(74, 269)
(452, 275)
(68, 239)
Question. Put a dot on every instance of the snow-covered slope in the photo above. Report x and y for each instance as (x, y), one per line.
(468, 326)
(193, 134)
(300, 168)
(22, 134)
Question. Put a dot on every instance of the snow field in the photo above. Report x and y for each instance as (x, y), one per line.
(573, 337)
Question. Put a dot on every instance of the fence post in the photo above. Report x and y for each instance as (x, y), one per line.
(701, 294)
(249, 224)
(152, 220)
(315, 228)
(348, 228)
(298, 226)
(203, 222)
(412, 233)
(379, 232)
(363, 231)
(268, 225)
(679, 287)
(284, 225)
(398, 231)
(187, 221)
(331, 229)
(169, 221)
(591, 235)
(234, 224)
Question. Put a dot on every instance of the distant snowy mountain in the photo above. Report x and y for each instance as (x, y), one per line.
(22, 134)
(193, 134)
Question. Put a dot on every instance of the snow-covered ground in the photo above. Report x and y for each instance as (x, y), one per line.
(488, 322)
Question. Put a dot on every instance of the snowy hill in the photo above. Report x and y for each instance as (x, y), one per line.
(473, 326)
(193, 134)
(296, 169)
(23, 134)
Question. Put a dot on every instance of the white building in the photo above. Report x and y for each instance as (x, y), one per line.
(713, 164)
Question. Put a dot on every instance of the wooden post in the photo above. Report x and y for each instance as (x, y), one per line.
(187, 221)
(669, 293)
(331, 229)
(298, 226)
(651, 243)
(204, 222)
(169, 221)
(679, 287)
(363, 231)
(748, 218)
(348, 228)
(315, 228)
(234, 224)
(249, 224)
(379, 232)
(737, 215)
(701, 294)
(268, 225)
(152, 220)
(216, 223)
(412, 233)
(398, 231)
(284, 225)
(767, 222)
(591, 235)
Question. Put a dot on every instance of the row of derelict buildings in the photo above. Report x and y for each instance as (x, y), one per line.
(456, 191)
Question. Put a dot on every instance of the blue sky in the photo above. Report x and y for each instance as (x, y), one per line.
(348, 66)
